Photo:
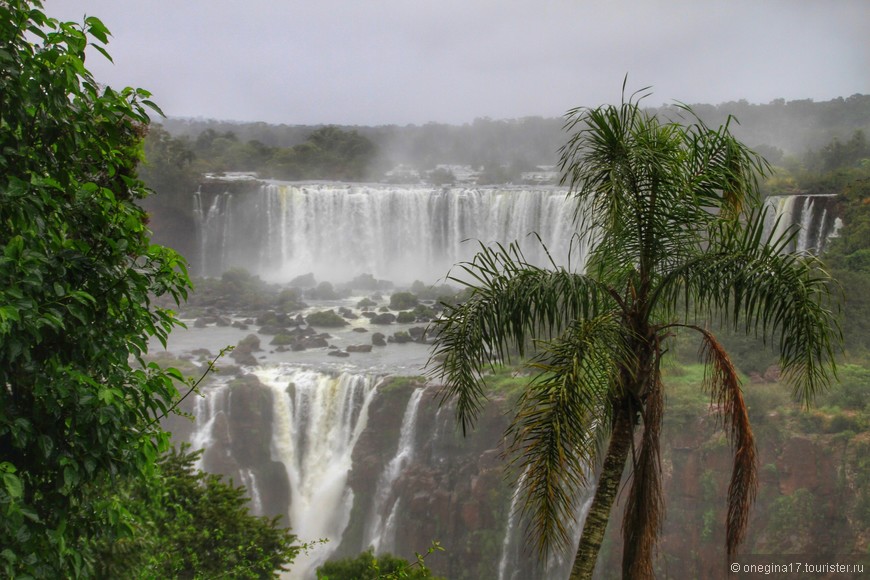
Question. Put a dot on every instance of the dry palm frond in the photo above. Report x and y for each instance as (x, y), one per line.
(724, 386)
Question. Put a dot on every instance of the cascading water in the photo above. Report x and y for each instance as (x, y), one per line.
(510, 545)
(213, 403)
(317, 420)
(813, 215)
(400, 233)
(403, 233)
(249, 480)
(381, 530)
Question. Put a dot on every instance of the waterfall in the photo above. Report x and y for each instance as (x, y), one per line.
(415, 232)
(381, 530)
(510, 546)
(317, 420)
(400, 233)
(213, 403)
(813, 215)
(249, 480)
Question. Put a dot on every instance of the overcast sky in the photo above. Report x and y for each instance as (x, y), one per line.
(412, 61)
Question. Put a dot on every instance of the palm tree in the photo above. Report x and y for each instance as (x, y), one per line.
(679, 240)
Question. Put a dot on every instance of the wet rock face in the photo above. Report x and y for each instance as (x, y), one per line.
(453, 490)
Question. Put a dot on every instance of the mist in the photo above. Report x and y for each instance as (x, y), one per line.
(452, 62)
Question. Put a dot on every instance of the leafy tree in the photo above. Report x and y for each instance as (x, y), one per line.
(78, 405)
(848, 257)
(672, 208)
(167, 168)
(191, 524)
(328, 153)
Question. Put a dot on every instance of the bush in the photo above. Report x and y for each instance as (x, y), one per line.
(191, 524)
(327, 318)
(324, 291)
(403, 301)
(367, 566)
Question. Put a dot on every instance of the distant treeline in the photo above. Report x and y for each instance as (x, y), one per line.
(779, 130)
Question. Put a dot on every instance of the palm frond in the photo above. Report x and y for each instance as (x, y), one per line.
(723, 173)
(655, 187)
(511, 304)
(723, 383)
(562, 419)
(745, 275)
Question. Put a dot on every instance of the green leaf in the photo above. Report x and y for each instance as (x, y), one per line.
(97, 29)
(13, 485)
(70, 476)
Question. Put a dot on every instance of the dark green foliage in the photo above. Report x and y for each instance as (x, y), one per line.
(403, 301)
(441, 176)
(366, 303)
(405, 317)
(323, 291)
(367, 566)
(327, 153)
(777, 130)
(237, 290)
(168, 169)
(327, 318)
(77, 403)
(852, 391)
(430, 292)
(190, 524)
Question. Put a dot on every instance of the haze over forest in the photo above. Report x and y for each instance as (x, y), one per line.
(394, 62)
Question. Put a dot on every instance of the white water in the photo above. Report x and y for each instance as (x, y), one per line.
(249, 480)
(510, 547)
(381, 529)
(338, 231)
(412, 232)
(316, 424)
(399, 233)
(213, 402)
(809, 213)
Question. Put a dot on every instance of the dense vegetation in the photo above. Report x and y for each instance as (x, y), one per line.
(367, 566)
(79, 406)
(88, 483)
(188, 524)
(326, 153)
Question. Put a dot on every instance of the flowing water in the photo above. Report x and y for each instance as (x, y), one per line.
(320, 408)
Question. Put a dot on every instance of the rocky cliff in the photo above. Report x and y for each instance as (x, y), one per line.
(813, 497)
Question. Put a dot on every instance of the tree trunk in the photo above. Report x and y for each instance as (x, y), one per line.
(605, 494)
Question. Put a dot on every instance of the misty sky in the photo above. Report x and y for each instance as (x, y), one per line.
(412, 61)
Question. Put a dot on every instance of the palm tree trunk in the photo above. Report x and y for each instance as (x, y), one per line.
(605, 494)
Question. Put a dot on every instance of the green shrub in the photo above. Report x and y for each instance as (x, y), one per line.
(327, 318)
(403, 301)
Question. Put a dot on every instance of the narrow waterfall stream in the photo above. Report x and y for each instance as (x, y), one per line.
(381, 529)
